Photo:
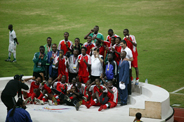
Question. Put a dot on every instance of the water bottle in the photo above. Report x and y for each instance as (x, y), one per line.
(146, 81)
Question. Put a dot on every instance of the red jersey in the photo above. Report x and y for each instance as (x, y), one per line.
(62, 45)
(131, 46)
(101, 50)
(62, 69)
(117, 56)
(107, 44)
(89, 47)
(109, 37)
(83, 69)
(96, 89)
(33, 86)
(113, 96)
(61, 86)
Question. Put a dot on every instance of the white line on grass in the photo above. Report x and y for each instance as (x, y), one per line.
(178, 90)
(176, 93)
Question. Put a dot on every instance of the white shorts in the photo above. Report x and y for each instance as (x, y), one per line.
(12, 47)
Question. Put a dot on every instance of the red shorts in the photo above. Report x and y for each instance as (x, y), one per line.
(134, 62)
(83, 79)
(113, 104)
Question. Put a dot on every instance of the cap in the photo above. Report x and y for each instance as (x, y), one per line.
(16, 77)
(121, 86)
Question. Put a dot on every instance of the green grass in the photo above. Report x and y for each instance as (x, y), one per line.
(157, 25)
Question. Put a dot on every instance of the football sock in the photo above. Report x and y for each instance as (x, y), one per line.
(137, 78)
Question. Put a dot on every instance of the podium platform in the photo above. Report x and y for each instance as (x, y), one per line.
(152, 101)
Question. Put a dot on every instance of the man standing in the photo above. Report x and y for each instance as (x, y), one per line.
(65, 44)
(96, 65)
(123, 78)
(53, 70)
(40, 60)
(95, 34)
(110, 35)
(12, 44)
(132, 44)
(84, 61)
(129, 58)
(77, 45)
(73, 65)
(89, 45)
(10, 91)
(48, 46)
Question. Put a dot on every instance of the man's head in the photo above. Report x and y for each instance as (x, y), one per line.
(123, 44)
(110, 84)
(138, 116)
(42, 49)
(61, 53)
(96, 29)
(110, 32)
(113, 40)
(122, 55)
(73, 88)
(97, 81)
(89, 39)
(38, 80)
(98, 43)
(83, 50)
(125, 32)
(63, 79)
(50, 80)
(49, 41)
(66, 35)
(110, 57)
(95, 51)
(77, 41)
(74, 80)
(76, 52)
(88, 82)
(118, 40)
(10, 27)
(18, 77)
(54, 47)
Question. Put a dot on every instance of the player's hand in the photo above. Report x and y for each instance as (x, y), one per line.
(126, 59)
(41, 74)
(105, 78)
(33, 78)
(97, 55)
(92, 30)
(93, 82)
(59, 76)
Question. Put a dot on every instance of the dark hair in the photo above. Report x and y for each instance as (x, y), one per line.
(67, 54)
(119, 38)
(127, 30)
(62, 50)
(42, 47)
(10, 26)
(49, 38)
(84, 48)
(54, 44)
(78, 39)
(97, 26)
(67, 33)
(96, 49)
(138, 115)
(124, 42)
(110, 30)
(113, 38)
(19, 103)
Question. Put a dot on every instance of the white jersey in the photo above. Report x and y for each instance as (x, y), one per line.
(128, 55)
(12, 36)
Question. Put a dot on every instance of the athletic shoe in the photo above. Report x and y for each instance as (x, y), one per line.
(137, 82)
(50, 102)
(101, 107)
(78, 105)
(38, 101)
(85, 98)
(8, 59)
(27, 100)
(14, 61)
(67, 98)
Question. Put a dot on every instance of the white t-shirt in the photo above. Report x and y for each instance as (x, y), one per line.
(128, 55)
(96, 66)
(12, 35)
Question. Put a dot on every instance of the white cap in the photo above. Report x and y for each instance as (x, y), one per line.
(121, 86)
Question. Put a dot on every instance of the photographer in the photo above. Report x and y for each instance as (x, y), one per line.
(11, 89)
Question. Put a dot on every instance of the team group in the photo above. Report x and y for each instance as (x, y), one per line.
(93, 73)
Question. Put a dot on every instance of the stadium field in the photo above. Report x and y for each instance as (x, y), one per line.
(157, 25)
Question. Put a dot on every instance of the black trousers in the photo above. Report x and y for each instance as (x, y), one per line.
(71, 76)
(93, 78)
(8, 101)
